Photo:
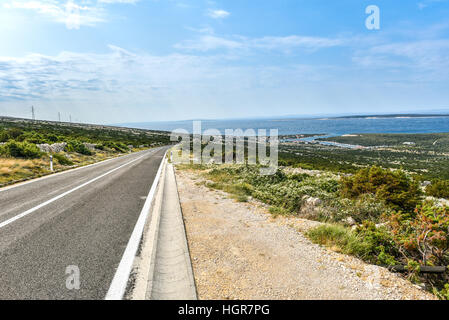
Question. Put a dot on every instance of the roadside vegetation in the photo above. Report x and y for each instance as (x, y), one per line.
(26, 146)
(384, 215)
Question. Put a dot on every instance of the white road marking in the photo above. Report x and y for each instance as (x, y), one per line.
(119, 282)
(23, 214)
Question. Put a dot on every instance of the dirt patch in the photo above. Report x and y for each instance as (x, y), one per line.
(239, 251)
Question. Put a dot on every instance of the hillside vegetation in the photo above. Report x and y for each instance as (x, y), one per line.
(26, 146)
(426, 156)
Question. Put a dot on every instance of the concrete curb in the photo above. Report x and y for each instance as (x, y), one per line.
(187, 249)
(144, 264)
(163, 270)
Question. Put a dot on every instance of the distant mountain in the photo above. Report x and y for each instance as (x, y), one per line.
(399, 115)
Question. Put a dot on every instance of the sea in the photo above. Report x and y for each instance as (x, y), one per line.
(328, 126)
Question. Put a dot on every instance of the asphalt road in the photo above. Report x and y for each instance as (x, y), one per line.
(81, 218)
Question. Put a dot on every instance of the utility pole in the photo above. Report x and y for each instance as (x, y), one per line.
(70, 118)
(33, 116)
(59, 116)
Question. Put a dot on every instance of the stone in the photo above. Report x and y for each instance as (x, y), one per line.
(350, 221)
(53, 148)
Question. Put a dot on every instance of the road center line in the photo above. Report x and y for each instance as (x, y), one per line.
(23, 214)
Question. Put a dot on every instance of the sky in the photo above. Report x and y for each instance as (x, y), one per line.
(117, 61)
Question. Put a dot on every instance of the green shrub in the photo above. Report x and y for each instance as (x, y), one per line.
(442, 294)
(34, 137)
(399, 191)
(62, 160)
(52, 138)
(117, 146)
(277, 211)
(365, 207)
(438, 189)
(367, 242)
(4, 136)
(382, 245)
(20, 150)
(79, 147)
(15, 133)
(341, 238)
(284, 191)
(423, 235)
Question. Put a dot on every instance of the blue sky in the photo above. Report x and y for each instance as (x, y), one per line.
(110, 61)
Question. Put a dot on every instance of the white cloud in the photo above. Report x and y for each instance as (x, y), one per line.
(426, 3)
(423, 60)
(44, 76)
(72, 14)
(100, 86)
(119, 1)
(218, 14)
(209, 42)
(284, 44)
(295, 41)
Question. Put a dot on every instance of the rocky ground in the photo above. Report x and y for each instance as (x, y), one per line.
(239, 251)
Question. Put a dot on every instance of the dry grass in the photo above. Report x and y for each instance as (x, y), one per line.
(18, 169)
(13, 169)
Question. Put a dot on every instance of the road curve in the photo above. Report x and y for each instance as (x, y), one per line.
(81, 218)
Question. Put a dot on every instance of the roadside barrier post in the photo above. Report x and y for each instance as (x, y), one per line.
(51, 163)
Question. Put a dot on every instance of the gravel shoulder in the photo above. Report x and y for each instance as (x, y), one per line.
(240, 252)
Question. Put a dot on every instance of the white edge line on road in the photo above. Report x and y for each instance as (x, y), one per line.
(120, 281)
(25, 213)
(51, 175)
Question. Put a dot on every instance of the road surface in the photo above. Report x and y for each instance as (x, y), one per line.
(81, 218)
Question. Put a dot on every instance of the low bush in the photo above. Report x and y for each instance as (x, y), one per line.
(79, 147)
(20, 150)
(367, 242)
(365, 207)
(411, 239)
(117, 146)
(438, 189)
(398, 190)
(15, 133)
(423, 235)
(340, 239)
(383, 249)
(62, 159)
(442, 294)
(422, 238)
(280, 190)
(4, 136)
(34, 137)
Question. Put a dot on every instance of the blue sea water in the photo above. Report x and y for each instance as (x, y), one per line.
(332, 126)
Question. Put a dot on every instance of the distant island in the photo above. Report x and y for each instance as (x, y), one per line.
(399, 115)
